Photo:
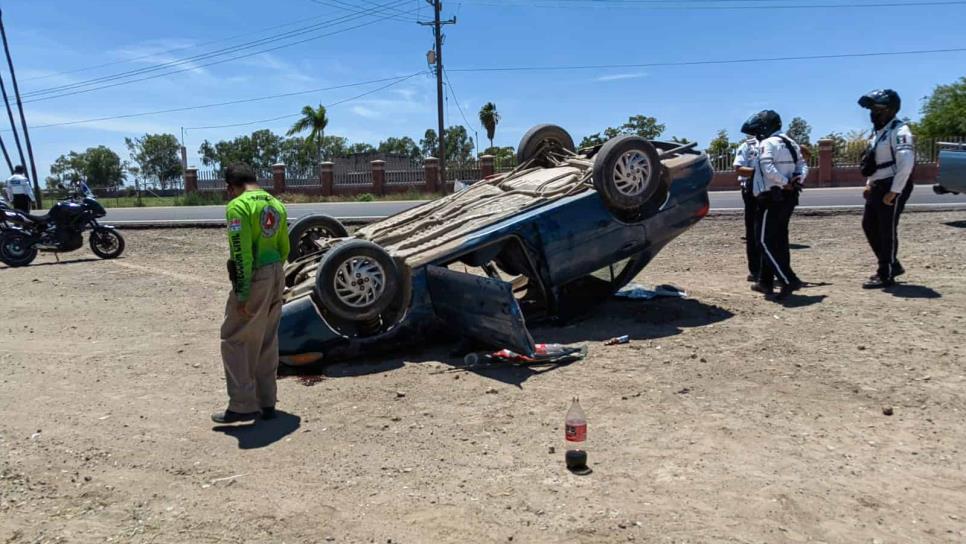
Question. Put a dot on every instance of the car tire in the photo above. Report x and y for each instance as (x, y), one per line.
(313, 227)
(106, 243)
(940, 190)
(628, 173)
(16, 249)
(537, 139)
(357, 280)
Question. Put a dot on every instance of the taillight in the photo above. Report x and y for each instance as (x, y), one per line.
(703, 211)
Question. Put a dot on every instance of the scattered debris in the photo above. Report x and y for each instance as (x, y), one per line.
(636, 291)
(626, 339)
(888, 411)
(309, 381)
(684, 391)
(400, 394)
(227, 478)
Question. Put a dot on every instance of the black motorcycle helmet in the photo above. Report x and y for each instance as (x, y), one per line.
(762, 124)
(883, 105)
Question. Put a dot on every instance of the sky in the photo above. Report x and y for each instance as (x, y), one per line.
(348, 42)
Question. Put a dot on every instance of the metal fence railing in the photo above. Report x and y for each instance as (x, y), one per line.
(405, 177)
(304, 177)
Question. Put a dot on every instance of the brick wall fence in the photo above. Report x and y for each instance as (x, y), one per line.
(378, 181)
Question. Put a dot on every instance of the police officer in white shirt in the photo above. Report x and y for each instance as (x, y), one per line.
(20, 192)
(746, 161)
(778, 179)
(887, 165)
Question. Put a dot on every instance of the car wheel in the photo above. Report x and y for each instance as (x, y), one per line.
(541, 138)
(627, 173)
(357, 280)
(106, 243)
(16, 249)
(310, 229)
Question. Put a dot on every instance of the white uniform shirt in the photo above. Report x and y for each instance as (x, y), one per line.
(895, 151)
(19, 185)
(776, 165)
(746, 157)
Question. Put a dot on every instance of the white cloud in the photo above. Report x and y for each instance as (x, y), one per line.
(156, 52)
(368, 113)
(621, 77)
(121, 126)
(281, 68)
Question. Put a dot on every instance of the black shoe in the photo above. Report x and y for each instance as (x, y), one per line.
(233, 417)
(897, 270)
(269, 412)
(766, 290)
(752, 278)
(878, 283)
(788, 288)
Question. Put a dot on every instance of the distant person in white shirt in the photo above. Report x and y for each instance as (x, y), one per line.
(887, 164)
(20, 192)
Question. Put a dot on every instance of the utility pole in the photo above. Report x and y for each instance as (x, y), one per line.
(23, 119)
(437, 25)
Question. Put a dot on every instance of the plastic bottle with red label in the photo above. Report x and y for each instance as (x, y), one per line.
(575, 437)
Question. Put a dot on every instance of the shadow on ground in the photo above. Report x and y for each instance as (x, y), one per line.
(262, 433)
(908, 290)
(957, 224)
(638, 319)
(59, 263)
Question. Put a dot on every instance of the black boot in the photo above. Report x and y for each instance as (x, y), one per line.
(233, 417)
(268, 412)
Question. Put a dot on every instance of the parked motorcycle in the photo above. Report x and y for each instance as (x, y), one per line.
(60, 230)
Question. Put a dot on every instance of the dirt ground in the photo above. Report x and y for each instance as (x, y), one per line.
(726, 419)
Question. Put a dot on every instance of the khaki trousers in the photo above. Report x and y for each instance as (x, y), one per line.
(249, 346)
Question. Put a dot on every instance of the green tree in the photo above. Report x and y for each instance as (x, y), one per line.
(720, 146)
(429, 144)
(490, 118)
(360, 148)
(459, 146)
(400, 146)
(102, 167)
(261, 149)
(314, 121)
(800, 131)
(639, 125)
(944, 112)
(501, 155)
(158, 157)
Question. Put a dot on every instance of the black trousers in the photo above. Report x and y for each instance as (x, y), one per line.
(752, 249)
(881, 225)
(772, 235)
(22, 203)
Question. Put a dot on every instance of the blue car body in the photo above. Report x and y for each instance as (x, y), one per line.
(567, 249)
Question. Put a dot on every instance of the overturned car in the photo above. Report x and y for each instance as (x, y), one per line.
(561, 232)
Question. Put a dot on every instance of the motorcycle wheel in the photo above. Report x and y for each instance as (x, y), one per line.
(16, 249)
(106, 243)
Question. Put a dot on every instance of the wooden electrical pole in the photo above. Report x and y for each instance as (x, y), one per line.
(23, 119)
(437, 25)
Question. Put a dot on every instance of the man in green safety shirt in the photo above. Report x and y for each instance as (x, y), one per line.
(258, 245)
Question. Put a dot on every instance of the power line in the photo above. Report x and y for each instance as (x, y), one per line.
(330, 105)
(664, 5)
(346, 6)
(218, 104)
(703, 62)
(72, 88)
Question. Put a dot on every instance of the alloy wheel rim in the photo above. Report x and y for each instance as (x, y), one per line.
(359, 282)
(631, 173)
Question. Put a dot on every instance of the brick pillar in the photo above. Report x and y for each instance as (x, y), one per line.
(826, 151)
(327, 175)
(191, 180)
(431, 167)
(379, 177)
(486, 166)
(278, 178)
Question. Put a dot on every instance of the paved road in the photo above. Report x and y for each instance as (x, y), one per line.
(826, 198)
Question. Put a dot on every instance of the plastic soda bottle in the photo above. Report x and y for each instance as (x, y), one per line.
(575, 435)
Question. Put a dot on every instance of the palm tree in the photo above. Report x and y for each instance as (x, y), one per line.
(489, 117)
(314, 120)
